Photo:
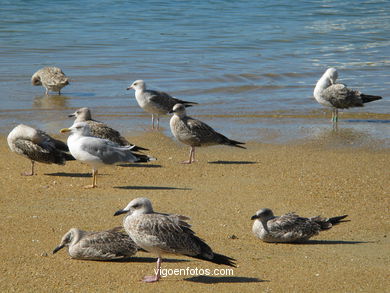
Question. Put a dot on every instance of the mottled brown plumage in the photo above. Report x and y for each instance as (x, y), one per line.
(37, 146)
(104, 245)
(51, 78)
(101, 130)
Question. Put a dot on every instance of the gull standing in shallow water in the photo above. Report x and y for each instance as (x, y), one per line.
(101, 130)
(105, 245)
(51, 78)
(289, 227)
(337, 96)
(37, 146)
(98, 152)
(165, 234)
(195, 133)
(155, 102)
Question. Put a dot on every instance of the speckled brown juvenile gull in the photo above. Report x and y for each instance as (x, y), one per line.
(165, 234)
(101, 130)
(196, 133)
(37, 146)
(98, 152)
(289, 227)
(337, 96)
(155, 102)
(51, 78)
(105, 245)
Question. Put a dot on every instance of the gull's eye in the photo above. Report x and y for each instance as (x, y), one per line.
(136, 206)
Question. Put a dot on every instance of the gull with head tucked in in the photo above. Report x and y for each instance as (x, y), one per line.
(37, 146)
(289, 227)
(196, 133)
(101, 130)
(337, 96)
(165, 234)
(104, 245)
(51, 78)
(155, 102)
(98, 152)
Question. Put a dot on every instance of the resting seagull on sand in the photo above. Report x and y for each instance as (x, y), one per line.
(98, 152)
(195, 133)
(337, 96)
(51, 78)
(105, 245)
(289, 227)
(155, 102)
(165, 234)
(101, 130)
(37, 146)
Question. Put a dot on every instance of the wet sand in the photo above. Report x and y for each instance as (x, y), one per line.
(220, 193)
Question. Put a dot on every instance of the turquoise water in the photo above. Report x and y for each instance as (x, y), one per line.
(252, 65)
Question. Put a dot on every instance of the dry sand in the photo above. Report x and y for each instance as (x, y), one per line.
(220, 193)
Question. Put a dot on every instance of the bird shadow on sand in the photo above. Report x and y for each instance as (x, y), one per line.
(63, 174)
(230, 279)
(328, 242)
(140, 165)
(145, 260)
(152, 188)
(233, 162)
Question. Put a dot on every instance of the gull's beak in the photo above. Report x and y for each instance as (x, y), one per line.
(170, 112)
(72, 115)
(63, 130)
(254, 217)
(120, 212)
(58, 248)
(130, 87)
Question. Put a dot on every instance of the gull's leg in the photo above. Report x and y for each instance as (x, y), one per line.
(94, 179)
(32, 170)
(158, 121)
(192, 150)
(193, 155)
(152, 121)
(150, 279)
(47, 91)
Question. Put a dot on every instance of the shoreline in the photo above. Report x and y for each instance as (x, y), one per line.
(219, 193)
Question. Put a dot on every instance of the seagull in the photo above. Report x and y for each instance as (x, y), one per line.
(165, 234)
(195, 133)
(98, 152)
(289, 227)
(51, 78)
(105, 245)
(337, 96)
(101, 130)
(37, 146)
(155, 102)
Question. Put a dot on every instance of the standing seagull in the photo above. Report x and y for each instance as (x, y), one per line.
(195, 133)
(37, 146)
(165, 234)
(51, 78)
(337, 96)
(101, 130)
(155, 102)
(289, 227)
(105, 245)
(98, 152)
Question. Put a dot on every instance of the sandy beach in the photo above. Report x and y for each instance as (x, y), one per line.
(220, 192)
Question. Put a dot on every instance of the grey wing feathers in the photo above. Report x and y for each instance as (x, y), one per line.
(166, 100)
(45, 154)
(296, 226)
(342, 97)
(110, 244)
(109, 152)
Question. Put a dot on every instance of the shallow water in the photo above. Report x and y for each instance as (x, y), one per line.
(251, 66)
